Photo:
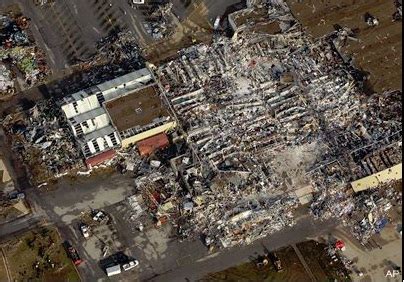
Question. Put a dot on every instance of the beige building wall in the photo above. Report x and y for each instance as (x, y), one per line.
(372, 181)
(149, 133)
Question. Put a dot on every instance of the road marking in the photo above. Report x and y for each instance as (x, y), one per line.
(96, 30)
(208, 257)
(140, 35)
(52, 58)
(50, 54)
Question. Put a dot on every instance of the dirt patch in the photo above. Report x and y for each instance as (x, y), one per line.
(314, 254)
(319, 262)
(293, 270)
(379, 49)
(3, 271)
(39, 255)
(195, 28)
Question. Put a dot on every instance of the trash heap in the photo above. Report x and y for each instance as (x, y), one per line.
(42, 140)
(6, 81)
(119, 48)
(237, 209)
(246, 101)
(366, 213)
(18, 50)
(160, 191)
(398, 14)
(129, 160)
(117, 55)
(43, 2)
(160, 23)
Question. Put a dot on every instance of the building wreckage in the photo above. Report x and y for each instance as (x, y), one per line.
(267, 114)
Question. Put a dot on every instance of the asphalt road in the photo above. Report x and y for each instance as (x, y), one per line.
(215, 8)
(162, 258)
(218, 8)
(198, 267)
(68, 30)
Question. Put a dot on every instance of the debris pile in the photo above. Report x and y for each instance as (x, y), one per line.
(398, 14)
(366, 213)
(41, 138)
(43, 2)
(371, 20)
(18, 50)
(159, 190)
(267, 114)
(117, 55)
(6, 81)
(119, 48)
(160, 23)
(237, 209)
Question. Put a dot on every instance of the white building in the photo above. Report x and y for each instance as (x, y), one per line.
(87, 117)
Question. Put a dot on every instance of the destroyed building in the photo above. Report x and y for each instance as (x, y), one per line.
(41, 139)
(272, 119)
(114, 114)
(18, 51)
(269, 115)
(160, 22)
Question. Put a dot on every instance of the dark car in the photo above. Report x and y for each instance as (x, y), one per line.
(72, 253)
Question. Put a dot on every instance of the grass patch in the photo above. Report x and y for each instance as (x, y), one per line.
(39, 255)
(3, 271)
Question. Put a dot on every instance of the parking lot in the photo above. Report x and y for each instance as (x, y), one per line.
(69, 30)
(69, 203)
(102, 247)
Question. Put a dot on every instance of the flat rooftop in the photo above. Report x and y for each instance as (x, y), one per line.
(136, 109)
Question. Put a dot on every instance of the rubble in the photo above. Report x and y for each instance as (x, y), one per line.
(263, 114)
(43, 2)
(6, 81)
(366, 213)
(371, 20)
(266, 114)
(42, 140)
(117, 55)
(18, 50)
(160, 23)
(398, 14)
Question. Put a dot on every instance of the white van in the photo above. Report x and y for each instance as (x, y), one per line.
(113, 270)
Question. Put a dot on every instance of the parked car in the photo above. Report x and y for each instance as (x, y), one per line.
(99, 216)
(85, 230)
(130, 265)
(73, 254)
